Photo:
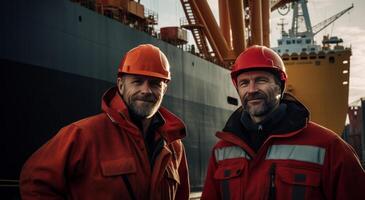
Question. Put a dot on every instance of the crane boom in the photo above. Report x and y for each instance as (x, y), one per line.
(322, 25)
(275, 4)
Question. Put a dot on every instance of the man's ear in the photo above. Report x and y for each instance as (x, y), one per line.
(120, 82)
(165, 89)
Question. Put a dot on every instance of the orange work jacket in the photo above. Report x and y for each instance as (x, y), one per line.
(89, 158)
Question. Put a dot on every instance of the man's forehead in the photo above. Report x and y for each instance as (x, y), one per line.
(255, 73)
(142, 77)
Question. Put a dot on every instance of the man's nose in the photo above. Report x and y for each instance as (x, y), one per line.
(252, 87)
(145, 88)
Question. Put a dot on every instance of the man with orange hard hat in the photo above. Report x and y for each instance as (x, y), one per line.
(270, 150)
(132, 150)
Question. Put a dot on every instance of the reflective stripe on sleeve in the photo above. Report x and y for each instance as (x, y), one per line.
(304, 153)
(230, 152)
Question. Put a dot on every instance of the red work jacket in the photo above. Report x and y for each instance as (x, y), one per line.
(308, 164)
(87, 159)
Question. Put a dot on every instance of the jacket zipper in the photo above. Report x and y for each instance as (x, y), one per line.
(259, 129)
(272, 174)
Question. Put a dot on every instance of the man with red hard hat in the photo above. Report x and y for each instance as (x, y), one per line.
(269, 149)
(132, 150)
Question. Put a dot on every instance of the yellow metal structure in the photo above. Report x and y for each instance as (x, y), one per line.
(321, 81)
(212, 31)
(256, 22)
(265, 22)
(224, 21)
(229, 39)
(237, 25)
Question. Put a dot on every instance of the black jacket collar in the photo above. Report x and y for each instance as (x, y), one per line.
(290, 116)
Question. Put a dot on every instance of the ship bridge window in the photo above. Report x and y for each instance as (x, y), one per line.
(313, 49)
(312, 55)
(331, 59)
(307, 41)
(303, 56)
(321, 55)
(293, 41)
(280, 42)
(304, 49)
(345, 62)
(294, 56)
(285, 56)
(288, 42)
(232, 101)
(299, 41)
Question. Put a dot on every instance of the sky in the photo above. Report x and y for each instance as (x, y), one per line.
(350, 27)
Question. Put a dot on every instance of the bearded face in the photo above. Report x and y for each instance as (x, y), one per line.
(259, 93)
(260, 103)
(142, 95)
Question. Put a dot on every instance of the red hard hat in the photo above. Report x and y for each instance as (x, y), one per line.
(259, 57)
(146, 60)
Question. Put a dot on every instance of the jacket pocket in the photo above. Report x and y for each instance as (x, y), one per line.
(230, 179)
(118, 167)
(297, 184)
(118, 178)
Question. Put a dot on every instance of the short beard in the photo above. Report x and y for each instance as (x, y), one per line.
(146, 110)
(268, 105)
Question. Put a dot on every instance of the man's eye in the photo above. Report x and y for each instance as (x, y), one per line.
(261, 80)
(137, 82)
(156, 83)
(243, 83)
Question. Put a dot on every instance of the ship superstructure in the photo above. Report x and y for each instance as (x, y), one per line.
(318, 74)
(300, 38)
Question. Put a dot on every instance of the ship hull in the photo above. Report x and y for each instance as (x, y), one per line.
(321, 81)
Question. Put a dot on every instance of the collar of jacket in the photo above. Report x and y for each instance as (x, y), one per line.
(268, 123)
(294, 121)
(113, 105)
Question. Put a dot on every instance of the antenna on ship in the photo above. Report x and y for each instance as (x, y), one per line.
(282, 24)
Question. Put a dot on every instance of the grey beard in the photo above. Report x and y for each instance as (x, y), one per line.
(266, 108)
(142, 112)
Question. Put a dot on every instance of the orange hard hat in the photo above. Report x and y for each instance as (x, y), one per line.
(259, 58)
(146, 60)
